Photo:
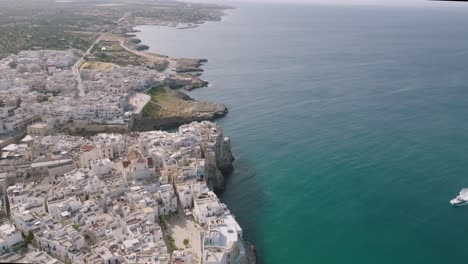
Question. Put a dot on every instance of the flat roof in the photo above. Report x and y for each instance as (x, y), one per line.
(38, 125)
(49, 163)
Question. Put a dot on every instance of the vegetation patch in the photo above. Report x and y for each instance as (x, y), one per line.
(41, 99)
(99, 66)
(135, 40)
(159, 96)
(168, 107)
(112, 52)
(142, 47)
(28, 239)
(171, 243)
(163, 223)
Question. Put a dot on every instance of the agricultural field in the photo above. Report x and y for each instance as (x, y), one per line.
(48, 24)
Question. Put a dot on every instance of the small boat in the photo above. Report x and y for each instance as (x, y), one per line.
(461, 199)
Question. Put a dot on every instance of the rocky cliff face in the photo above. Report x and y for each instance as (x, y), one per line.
(187, 75)
(251, 253)
(189, 65)
(175, 108)
(186, 81)
(224, 156)
(214, 177)
(219, 160)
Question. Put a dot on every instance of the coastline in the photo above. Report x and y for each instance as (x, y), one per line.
(195, 70)
(117, 83)
(181, 73)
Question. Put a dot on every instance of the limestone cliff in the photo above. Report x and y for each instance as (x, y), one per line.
(218, 159)
(251, 253)
(186, 81)
(189, 65)
(224, 156)
(169, 109)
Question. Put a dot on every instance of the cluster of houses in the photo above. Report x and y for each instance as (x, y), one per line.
(43, 70)
(25, 81)
(41, 87)
(18, 109)
(104, 199)
(94, 107)
(121, 80)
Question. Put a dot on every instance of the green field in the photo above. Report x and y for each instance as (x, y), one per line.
(158, 95)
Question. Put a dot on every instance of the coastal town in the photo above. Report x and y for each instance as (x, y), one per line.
(86, 174)
(122, 198)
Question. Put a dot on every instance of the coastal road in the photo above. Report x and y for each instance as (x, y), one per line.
(136, 52)
(78, 63)
(150, 56)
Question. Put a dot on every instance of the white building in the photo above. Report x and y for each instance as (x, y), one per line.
(207, 208)
(222, 242)
(185, 196)
(39, 129)
(102, 167)
(182, 257)
(169, 199)
(9, 236)
(138, 168)
(88, 153)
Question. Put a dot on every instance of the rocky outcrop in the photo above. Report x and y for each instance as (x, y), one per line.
(224, 156)
(196, 83)
(218, 157)
(176, 108)
(214, 177)
(189, 65)
(251, 253)
(159, 65)
(186, 81)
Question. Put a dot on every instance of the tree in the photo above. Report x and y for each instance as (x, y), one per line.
(163, 223)
(142, 47)
(186, 242)
(28, 238)
(135, 40)
(171, 242)
(76, 227)
(7, 204)
(5, 196)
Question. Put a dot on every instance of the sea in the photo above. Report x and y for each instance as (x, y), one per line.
(349, 125)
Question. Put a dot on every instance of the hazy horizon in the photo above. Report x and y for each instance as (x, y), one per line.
(347, 2)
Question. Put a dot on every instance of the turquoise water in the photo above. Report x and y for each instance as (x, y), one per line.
(349, 124)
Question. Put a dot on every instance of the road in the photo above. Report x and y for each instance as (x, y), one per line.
(136, 52)
(168, 70)
(78, 63)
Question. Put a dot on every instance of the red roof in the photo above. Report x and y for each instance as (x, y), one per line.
(87, 148)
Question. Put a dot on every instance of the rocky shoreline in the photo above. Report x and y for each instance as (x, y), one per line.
(185, 65)
(181, 73)
(186, 74)
(188, 82)
(187, 111)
